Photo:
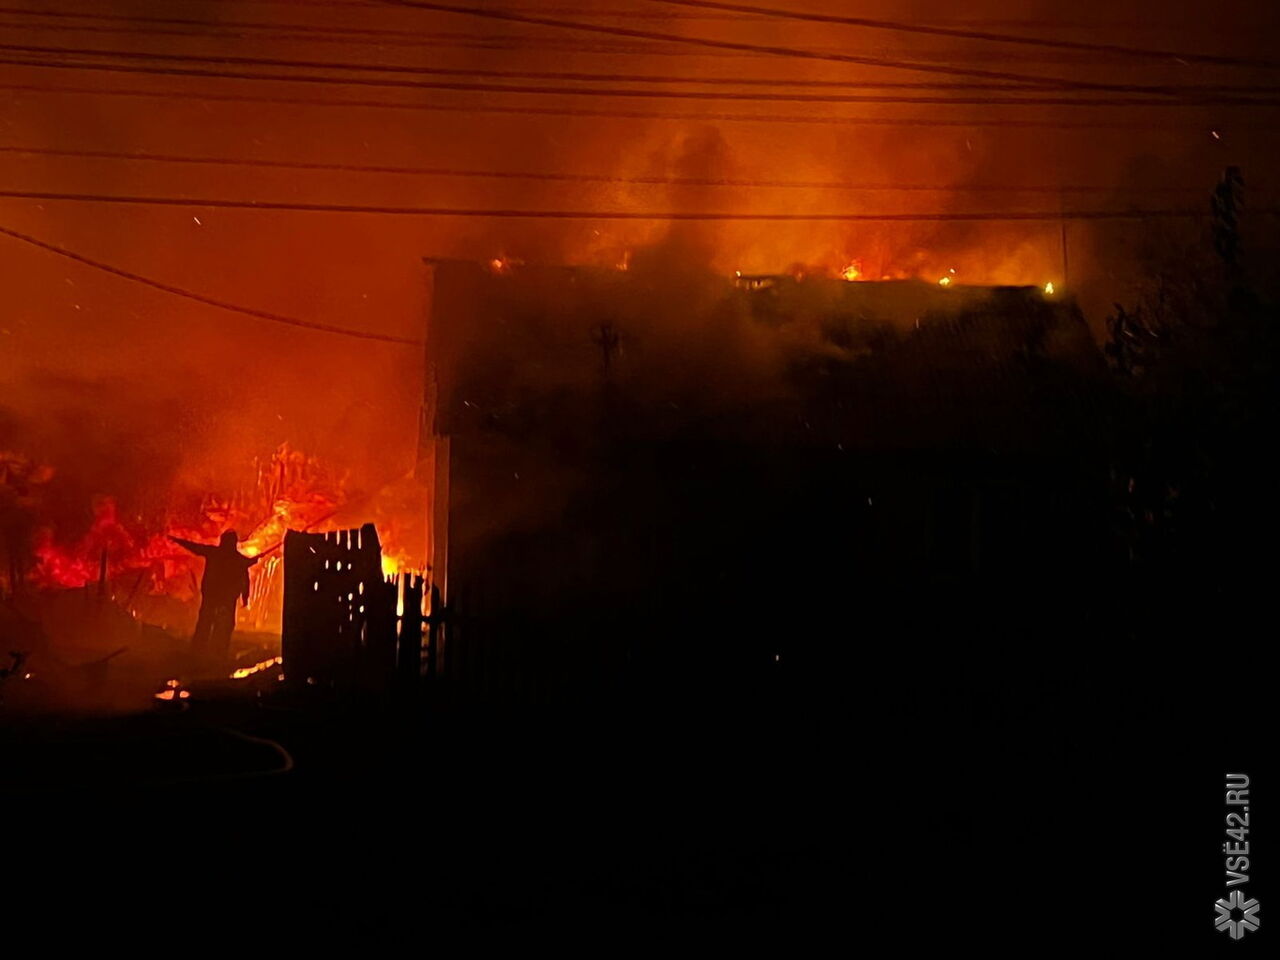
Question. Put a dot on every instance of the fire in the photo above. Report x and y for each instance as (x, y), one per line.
(243, 672)
(174, 691)
(948, 278)
(852, 272)
(155, 580)
(503, 264)
(1049, 288)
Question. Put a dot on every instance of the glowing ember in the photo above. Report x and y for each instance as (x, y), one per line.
(256, 668)
(174, 691)
(944, 282)
(503, 265)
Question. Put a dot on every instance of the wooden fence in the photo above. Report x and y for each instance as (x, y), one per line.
(348, 627)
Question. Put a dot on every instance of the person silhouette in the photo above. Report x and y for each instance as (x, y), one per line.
(225, 580)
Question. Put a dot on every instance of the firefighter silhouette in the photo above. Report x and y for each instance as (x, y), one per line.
(225, 580)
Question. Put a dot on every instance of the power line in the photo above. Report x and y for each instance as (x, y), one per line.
(201, 298)
(452, 172)
(224, 60)
(287, 32)
(234, 30)
(567, 11)
(308, 33)
(344, 36)
(572, 12)
(675, 15)
(464, 86)
(528, 110)
(390, 35)
(898, 26)
(304, 32)
(793, 52)
(394, 38)
(295, 3)
(673, 215)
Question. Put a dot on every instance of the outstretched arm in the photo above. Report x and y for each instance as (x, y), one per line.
(199, 549)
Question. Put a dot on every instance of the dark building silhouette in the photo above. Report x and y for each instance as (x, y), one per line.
(773, 475)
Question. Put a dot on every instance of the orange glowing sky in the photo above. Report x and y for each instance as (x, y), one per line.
(112, 357)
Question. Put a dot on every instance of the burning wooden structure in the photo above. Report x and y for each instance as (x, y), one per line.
(703, 491)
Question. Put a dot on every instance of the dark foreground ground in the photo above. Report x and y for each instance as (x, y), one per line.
(1013, 808)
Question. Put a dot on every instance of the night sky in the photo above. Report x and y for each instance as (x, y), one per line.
(145, 376)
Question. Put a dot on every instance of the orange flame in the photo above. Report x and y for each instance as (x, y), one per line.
(243, 672)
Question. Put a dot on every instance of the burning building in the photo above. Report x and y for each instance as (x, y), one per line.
(652, 473)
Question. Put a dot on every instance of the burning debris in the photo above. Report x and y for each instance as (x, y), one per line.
(241, 673)
(173, 692)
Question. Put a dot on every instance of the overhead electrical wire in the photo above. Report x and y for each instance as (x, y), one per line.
(561, 214)
(898, 26)
(530, 110)
(454, 172)
(780, 51)
(128, 18)
(615, 77)
(199, 297)
(633, 14)
(572, 11)
(290, 33)
(464, 86)
(295, 33)
(348, 66)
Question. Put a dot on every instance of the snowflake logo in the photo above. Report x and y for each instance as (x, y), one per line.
(1248, 919)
